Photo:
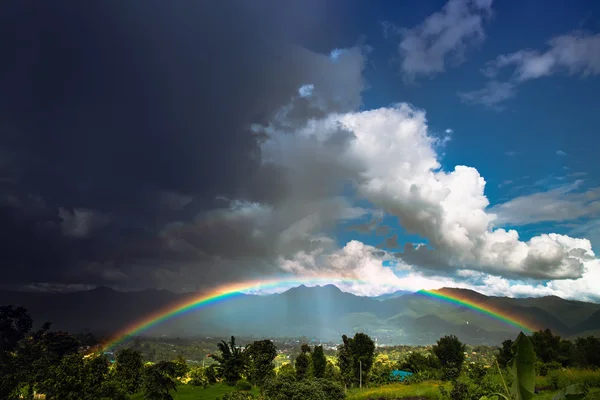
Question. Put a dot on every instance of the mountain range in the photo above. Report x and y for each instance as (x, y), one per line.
(323, 312)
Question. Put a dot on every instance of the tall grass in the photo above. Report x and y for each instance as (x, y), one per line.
(559, 379)
(428, 390)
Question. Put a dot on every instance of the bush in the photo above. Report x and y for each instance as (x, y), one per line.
(562, 378)
(476, 372)
(198, 377)
(243, 384)
(420, 377)
(313, 389)
(467, 388)
(544, 369)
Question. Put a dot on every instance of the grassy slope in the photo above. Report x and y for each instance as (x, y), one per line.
(189, 392)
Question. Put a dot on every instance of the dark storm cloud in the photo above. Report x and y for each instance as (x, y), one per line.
(121, 117)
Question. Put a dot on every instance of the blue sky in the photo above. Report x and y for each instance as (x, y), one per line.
(515, 147)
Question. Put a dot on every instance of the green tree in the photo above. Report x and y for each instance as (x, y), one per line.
(505, 354)
(319, 362)
(451, 353)
(418, 362)
(287, 371)
(552, 348)
(382, 369)
(15, 324)
(355, 357)
(39, 353)
(232, 361)
(128, 370)
(198, 377)
(302, 365)
(587, 352)
(212, 373)
(261, 355)
(332, 372)
(66, 379)
(181, 367)
(95, 371)
(159, 381)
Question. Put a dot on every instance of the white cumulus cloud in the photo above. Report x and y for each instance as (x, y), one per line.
(391, 159)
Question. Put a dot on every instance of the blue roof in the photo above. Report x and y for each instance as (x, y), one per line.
(400, 375)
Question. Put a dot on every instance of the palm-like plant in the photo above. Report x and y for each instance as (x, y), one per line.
(232, 361)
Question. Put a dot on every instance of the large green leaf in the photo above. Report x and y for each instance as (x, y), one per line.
(571, 392)
(521, 367)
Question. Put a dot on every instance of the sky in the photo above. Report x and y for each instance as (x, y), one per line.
(187, 145)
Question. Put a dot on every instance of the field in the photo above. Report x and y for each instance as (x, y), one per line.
(430, 390)
(189, 392)
(425, 390)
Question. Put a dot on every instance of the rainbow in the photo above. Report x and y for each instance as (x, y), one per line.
(484, 309)
(229, 291)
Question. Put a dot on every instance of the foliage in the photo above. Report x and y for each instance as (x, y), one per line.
(451, 353)
(112, 390)
(181, 367)
(587, 352)
(237, 396)
(562, 378)
(76, 378)
(476, 372)
(212, 374)
(505, 354)
(96, 372)
(232, 361)
(382, 369)
(571, 392)
(473, 384)
(260, 355)
(15, 324)
(521, 367)
(302, 365)
(543, 368)
(65, 380)
(426, 390)
(243, 385)
(314, 389)
(332, 372)
(419, 362)
(198, 377)
(128, 370)
(319, 362)
(356, 355)
(551, 348)
(287, 371)
(420, 377)
(159, 381)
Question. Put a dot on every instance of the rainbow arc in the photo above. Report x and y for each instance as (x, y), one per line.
(225, 292)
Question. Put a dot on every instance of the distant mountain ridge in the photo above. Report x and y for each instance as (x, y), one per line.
(325, 312)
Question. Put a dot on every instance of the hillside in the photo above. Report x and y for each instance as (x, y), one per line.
(325, 312)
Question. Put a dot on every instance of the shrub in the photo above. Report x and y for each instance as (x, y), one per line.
(544, 369)
(243, 384)
(562, 378)
(313, 389)
(198, 377)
